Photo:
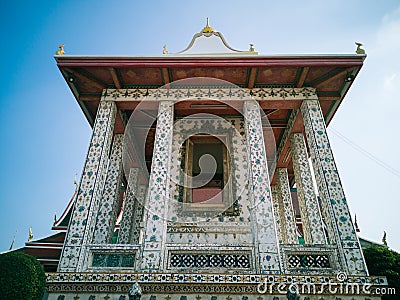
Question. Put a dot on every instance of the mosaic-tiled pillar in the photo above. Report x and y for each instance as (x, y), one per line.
(107, 212)
(138, 215)
(288, 219)
(334, 204)
(90, 188)
(262, 218)
(158, 192)
(277, 212)
(311, 219)
(126, 225)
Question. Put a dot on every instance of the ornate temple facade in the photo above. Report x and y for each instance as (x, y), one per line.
(209, 175)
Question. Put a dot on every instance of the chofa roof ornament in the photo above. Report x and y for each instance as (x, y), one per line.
(207, 28)
(211, 42)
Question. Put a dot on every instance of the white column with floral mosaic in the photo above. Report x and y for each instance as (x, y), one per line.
(262, 216)
(158, 193)
(126, 225)
(138, 215)
(90, 188)
(277, 212)
(288, 219)
(334, 204)
(311, 219)
(107, 212)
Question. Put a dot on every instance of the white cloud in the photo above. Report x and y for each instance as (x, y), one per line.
(391, 82)
(388, 35)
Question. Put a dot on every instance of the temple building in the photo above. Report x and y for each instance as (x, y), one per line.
(209, 176)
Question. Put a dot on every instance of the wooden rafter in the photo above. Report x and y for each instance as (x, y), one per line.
(303, 76)
(328, 76)
(334, 77)
(165, 75)
(115, 79)
(252, 77)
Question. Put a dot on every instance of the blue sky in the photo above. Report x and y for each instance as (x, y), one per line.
(44, 135)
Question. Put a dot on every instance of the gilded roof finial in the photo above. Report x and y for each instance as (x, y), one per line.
(13, 241)
(207, 29)
(164, 51)
(384, 241)
(356, 224)
(60, 50)
(30, 237)
(55, 219)
(359, 50)
(251, 49)
(75, 182)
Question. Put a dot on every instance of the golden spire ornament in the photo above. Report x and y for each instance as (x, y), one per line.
(207, 28)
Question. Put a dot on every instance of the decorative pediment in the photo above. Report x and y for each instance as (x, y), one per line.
(211, 42)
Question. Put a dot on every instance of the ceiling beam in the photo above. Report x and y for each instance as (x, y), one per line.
(303, 76)
(91, 97)
(293, 125)
(252, 77)
(115, 79)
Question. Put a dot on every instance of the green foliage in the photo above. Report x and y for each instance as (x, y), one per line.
(21, 277)
(384, 262)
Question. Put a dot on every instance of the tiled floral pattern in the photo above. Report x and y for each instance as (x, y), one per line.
(206, 277)
(288, 219)
(212, 92)
(275, 197)
(336, 210)
(260, 195)
(80, 229)
(126, 226)
(309, 208)
(138, 215)
(106, 215)
(206, 285)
